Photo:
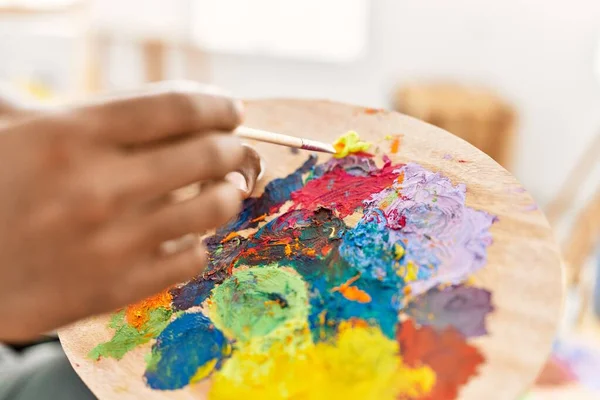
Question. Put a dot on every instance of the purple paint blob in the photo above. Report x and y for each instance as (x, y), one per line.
(461, 307)
(427, 209)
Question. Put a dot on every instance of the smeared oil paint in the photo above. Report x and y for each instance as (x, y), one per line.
(355, 165)
(127, 337)
(324, 371)
(297, 235)
(316, 289)
(275, 194)
(461, 307)
(352, 293)
(373, 250)
(349, 143)
(342, 192)
(254, 302)
(428, 210)
(395, 145)
(193, 293)
(453, 360)
(189, 349)
(138, 314)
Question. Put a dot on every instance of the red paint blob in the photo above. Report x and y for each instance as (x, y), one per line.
(447, 353)
(340, 191)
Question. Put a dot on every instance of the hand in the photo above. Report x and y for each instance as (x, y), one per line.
(82, 202)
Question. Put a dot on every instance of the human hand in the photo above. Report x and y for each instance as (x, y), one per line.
(82, 202)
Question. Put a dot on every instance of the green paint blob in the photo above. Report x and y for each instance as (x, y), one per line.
(127, 337)
(253, 302)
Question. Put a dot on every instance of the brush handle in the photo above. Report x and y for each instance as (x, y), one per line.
(268, 137)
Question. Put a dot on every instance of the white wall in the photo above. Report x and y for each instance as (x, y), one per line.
(538, 54)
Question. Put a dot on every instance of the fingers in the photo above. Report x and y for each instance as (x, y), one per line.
(160, 272)
(248, 173)
(155, 172)
(214, 206)
(162, 112)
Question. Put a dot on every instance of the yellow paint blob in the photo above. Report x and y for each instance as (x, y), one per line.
(398, 251)
(409, 272)
(361, 363)
(349, 143)
(204, 371)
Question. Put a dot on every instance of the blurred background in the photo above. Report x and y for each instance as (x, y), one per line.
(520, 79)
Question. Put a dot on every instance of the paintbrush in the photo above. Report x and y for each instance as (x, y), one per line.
(283, 140)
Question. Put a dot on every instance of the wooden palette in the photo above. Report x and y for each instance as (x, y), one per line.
(523, 270)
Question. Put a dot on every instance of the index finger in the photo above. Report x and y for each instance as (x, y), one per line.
(161, 112)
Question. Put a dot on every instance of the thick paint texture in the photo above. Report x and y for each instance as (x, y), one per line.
(305, 290)
(348, 144)
(254, 302)
(343, 369)
(342, 192)
(453, 360)
(276, 193)
(429, 212)
(127, 336)
(463, 307)
(182, 351)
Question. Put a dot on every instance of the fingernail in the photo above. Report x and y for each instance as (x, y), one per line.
(238, 181)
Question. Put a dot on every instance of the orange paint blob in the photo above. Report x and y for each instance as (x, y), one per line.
(400, 177)
(372, 111)
(261, 218)
(395, 144)
(352, 293)
(138, 314)
(310, 252)
(229, 237)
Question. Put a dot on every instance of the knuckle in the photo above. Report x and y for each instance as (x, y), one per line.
(58, 152)
(109, 248)
(91, 203)
(215, 151)
(223, 154)
(181, 106)
(226, 202)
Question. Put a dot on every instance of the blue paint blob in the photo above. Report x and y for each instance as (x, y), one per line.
(329, 308)
(191, 294)
(185, 345)
(277, 192)
(370, 248)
